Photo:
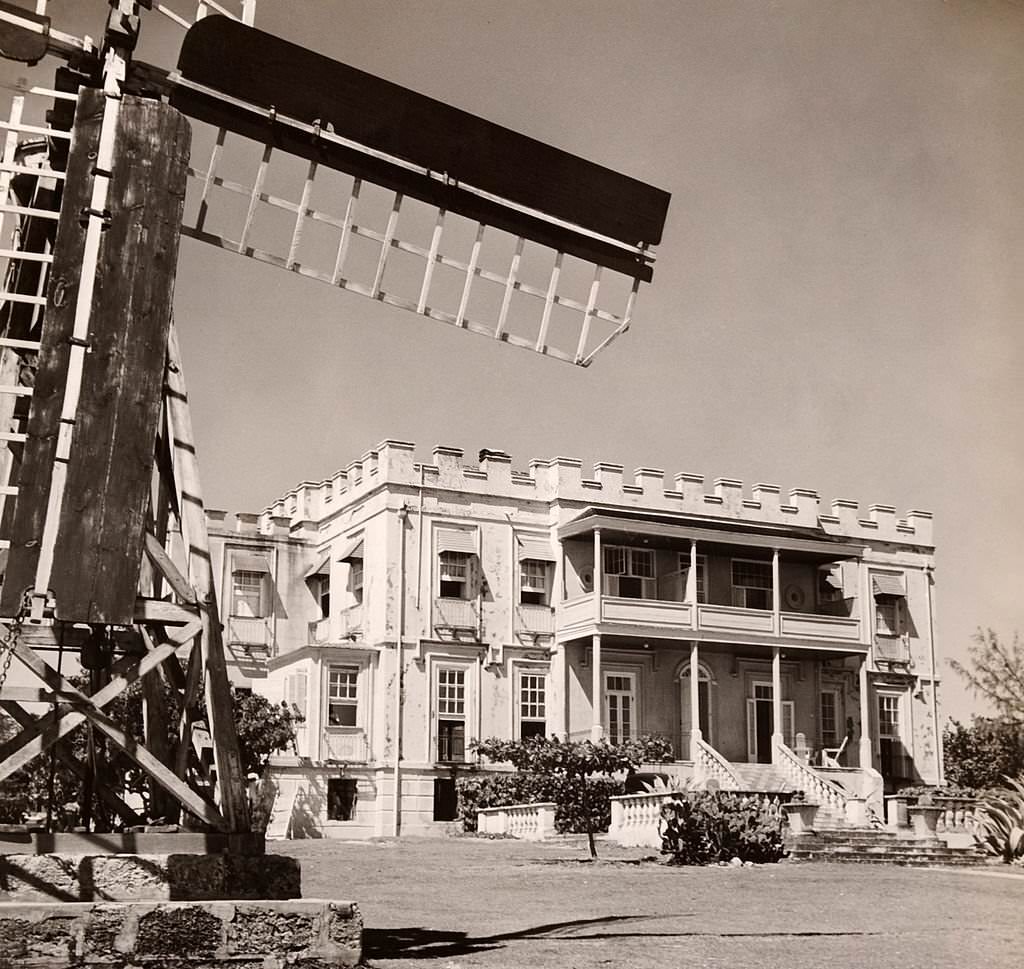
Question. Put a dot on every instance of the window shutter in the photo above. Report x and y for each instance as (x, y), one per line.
(787, 723)
(295, 692)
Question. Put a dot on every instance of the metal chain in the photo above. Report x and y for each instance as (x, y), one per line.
(7, 648)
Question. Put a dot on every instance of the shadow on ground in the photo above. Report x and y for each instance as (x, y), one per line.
(420, 943)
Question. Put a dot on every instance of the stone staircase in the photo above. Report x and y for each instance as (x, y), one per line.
(764, 778)
(877, 846)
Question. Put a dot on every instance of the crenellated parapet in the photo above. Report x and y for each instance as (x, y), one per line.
(562, 480)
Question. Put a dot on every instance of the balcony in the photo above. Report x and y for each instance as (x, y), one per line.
(892, 649)
(534, 620)
(580, 614)
(249, 631)
(348, 624)
(456, 614)
(346, 744)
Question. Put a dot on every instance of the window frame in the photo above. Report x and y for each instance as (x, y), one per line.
(522, 703)
(348, 701)
(702, 576)
(832, 739)
(883, 628)
(350, 784)
(611, 576)
(238, 597)
(541, 589)
(447, 716)
(444, 575)
(741, 590)
(619, 736)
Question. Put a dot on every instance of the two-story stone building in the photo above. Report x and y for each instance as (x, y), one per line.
(407, 608)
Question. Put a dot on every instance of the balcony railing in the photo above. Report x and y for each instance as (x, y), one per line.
(348, 624)
(713, 618)
(249, 631)
(346, 744)
(892, 649)
(535, 620)
(455, 614)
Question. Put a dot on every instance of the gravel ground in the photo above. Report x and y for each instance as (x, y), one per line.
(500, 904)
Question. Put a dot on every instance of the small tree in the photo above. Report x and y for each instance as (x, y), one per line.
(263, 728)
(981, 755)
(574, 763)
(995, 672)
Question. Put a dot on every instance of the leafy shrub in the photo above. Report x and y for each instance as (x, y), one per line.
(574, 811)
(981, 755)
(700, 827)
(948, 790)
(1001, 821)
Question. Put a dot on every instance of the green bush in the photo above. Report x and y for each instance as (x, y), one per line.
(572, 812)
(1001, 821)
(701, 827)
(982, 754)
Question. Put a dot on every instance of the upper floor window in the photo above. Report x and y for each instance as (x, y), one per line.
(454, 575)
(247, 593)
(533, 582)
(456, 553)
(830, 584)
(702, 575)
(323, 595)
(751, 584)
(342, 696)
(355, 579)
(629, 572)
(890, 593)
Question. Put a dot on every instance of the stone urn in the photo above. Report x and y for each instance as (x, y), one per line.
(924, 820)
(800, 816)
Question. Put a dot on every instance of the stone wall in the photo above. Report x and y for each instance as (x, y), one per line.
(270, 935)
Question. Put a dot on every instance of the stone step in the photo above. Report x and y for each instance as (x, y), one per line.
(930, 861)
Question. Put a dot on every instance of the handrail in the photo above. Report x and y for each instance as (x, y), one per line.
(709, 763)
(816, 787)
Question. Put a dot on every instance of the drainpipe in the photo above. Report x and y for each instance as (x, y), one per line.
(939, 758)
(396, 770)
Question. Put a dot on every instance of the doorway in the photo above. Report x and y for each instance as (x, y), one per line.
(761, 723)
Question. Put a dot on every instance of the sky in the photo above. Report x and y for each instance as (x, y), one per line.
(836, 303)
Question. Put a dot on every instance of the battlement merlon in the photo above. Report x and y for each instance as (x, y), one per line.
(562, 479)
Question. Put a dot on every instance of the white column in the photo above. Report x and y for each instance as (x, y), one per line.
(695, 733)
(596, 692)
(691, 585)
(558, 723)
(598, 575)
(866, 753)
(776, 697)
(776, 595)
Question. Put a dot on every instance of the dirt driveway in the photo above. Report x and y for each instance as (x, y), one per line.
(467, 902)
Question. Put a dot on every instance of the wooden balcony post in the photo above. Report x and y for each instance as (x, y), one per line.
(695, 733)
(776, 595)
(776, 698)
(866, 744)
(691, 585)
(598, 575)
(596, 691)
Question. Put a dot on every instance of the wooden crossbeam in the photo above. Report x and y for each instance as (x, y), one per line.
(105, 792)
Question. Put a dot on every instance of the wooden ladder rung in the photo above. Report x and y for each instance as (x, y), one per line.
(8, 490)
(26, 256)
(23, 298)
(6, 341)
(13, 436)
(15, 391)
(25, 210)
